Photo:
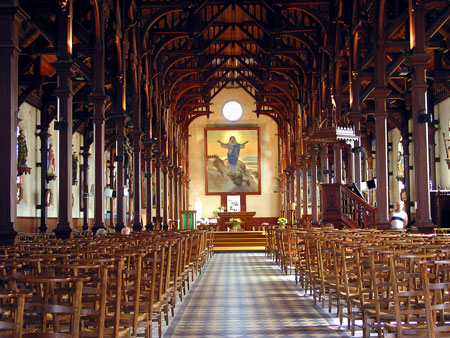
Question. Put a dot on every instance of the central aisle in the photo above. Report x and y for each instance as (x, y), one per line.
(246, 295)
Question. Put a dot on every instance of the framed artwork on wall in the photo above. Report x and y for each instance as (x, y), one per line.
(232, 161)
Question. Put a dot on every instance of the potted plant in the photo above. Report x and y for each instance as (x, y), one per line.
(235, 222)
(282, 222)
(221, 208)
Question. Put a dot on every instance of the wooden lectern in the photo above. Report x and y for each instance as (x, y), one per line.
(188, 219)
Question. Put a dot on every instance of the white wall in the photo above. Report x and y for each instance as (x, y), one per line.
(266, 204)
(31, 183)
(442, 113)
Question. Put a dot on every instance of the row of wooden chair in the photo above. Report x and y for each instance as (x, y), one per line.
(389, 284)
(108, 286)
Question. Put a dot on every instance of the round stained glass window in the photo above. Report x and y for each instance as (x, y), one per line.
(232, 111)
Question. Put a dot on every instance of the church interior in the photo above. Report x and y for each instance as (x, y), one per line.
(150, 142)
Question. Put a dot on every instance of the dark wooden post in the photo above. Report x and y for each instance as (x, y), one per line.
(165, 164)
(305, 188)
(98, 98)
(176, 188)
(324, 163)
(286, 193)
(148, 145)
(43, 136)
(63, 67)
(120, 200)
(85, 182)
(314, 186)
(111, 186)
(405, 144)
(380, 94)
(10, 18)
(298, 190)
(337, 163)
(157, 153)
(137, 223)
(381, 157)
(358, 154)
(432, 150)
(419, 60)
(170, 191)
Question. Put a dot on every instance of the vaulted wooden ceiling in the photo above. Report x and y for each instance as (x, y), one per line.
(307, 64)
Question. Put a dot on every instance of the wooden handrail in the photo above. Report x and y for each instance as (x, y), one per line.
(343, 207)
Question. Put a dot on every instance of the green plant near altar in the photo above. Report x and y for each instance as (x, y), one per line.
(221, 208)
(235, 221)
(282, 221)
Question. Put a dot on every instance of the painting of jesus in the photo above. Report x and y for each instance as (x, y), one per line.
(232, 160)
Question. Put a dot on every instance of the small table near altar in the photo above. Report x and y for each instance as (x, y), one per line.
(245, 216)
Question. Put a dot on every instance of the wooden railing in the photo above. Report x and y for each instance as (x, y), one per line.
(343, 207)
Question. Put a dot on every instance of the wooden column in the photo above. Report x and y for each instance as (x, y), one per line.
(432, 150)
(170, 191)
(98, 98)
(298, 191)
(99, 167)
(136, 134)
(314, 187)
(286, 194)
(351, 164)
(63, 67)
(148, 145)
(157, 154)
(111, 186)
(420, 136)
(187, 180)
(337, 151)
(381, 156)
(165, 165)
(43, 136)
(419, 60)
(324, 164)
(120, 179)
(405, 144)
(358, 154)
(176, 188)
(10, 18)
(85, 182)
(305, 188)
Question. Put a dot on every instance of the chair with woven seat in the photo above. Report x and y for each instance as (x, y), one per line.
(48, 312)
(410, 297)
(11, 313)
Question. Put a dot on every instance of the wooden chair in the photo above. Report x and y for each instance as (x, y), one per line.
(11, 313)
(409, 280)
(49, 312)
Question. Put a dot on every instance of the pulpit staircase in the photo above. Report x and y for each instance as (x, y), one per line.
(345, 209)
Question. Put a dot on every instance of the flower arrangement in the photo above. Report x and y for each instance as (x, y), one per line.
(235, 221)
(282, 221)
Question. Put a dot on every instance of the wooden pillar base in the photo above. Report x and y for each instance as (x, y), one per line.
(7, 238)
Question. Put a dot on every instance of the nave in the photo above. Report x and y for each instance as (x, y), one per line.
(247, 295)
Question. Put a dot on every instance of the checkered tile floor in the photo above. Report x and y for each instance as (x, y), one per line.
(246, 295)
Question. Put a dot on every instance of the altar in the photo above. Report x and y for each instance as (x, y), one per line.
(245, 216)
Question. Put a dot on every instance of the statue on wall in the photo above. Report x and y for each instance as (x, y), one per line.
(51, 166)
(22, 150)
(447, 149)
(400, 170)
(22, 153)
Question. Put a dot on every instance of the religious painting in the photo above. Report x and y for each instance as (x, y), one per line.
(232, 161)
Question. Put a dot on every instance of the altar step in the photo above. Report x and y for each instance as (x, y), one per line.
(239, 241)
